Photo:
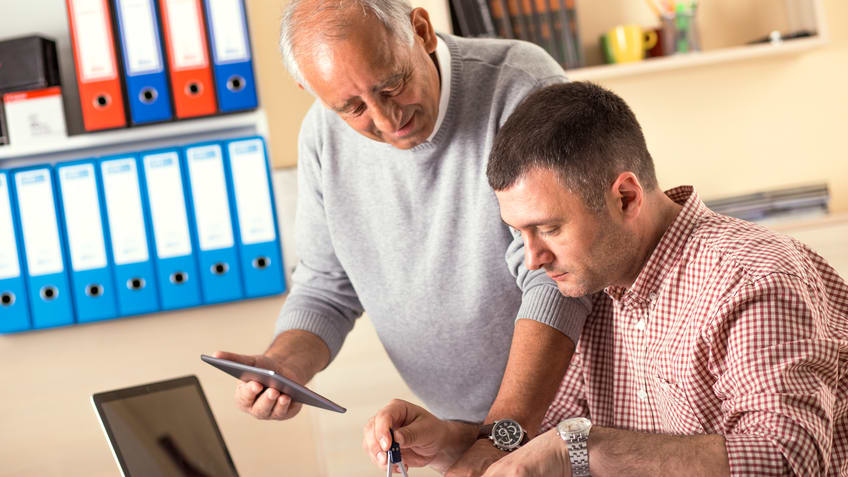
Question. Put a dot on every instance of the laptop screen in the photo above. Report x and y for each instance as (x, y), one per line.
(164, 429)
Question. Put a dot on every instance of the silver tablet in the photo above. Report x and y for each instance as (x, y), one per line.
(270, 379)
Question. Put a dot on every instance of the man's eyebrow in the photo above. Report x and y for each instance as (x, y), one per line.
(543, 223)
(391, 80)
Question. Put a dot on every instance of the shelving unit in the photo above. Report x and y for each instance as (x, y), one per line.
(138, 138)
(49, 18)
(726, 26)
(694, 59)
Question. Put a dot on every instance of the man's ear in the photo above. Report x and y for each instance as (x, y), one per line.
(628, 195)
(423, 28)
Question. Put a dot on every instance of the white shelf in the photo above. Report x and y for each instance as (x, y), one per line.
(688, 60)
(140, 137)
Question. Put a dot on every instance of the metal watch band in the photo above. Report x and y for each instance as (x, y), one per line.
(578, 454)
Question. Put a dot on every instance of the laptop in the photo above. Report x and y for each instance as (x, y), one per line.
(164, 429)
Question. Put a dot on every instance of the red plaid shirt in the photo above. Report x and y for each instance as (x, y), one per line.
(729, 329)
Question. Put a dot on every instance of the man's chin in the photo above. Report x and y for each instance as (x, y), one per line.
(572, 290)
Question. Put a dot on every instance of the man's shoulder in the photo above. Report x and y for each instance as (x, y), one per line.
(749, 248)
(506, 56)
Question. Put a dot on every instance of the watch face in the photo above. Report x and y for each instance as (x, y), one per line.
(507, 434)
(577, 425)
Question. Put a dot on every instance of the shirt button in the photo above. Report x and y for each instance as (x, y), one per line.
(653, 297)
(640, 325)
(642, 394)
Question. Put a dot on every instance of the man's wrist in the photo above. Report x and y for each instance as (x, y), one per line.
(459, 437)
(299, 352)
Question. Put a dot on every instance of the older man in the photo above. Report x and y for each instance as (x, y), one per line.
(714, 346)
(395, 218)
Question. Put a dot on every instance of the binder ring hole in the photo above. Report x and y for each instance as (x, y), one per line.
(102, 100)
(7, 299)
(194, 88)
(49, 293)
(148, 95)
(135, 283)
(261, 262)
(94, 290)
(235, 83)
(178, 278)
(220, 268)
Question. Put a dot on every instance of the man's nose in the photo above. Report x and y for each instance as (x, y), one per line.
(536, 255)
(386, 116)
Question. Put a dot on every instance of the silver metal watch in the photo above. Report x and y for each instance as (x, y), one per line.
(575, 433)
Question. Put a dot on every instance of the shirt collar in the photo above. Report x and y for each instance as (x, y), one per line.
(668, 249)
(443, 56)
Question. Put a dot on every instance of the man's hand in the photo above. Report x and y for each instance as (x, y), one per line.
(295, 354)
(270, 404)
(423, 438)
(546, 455)
(476, 459)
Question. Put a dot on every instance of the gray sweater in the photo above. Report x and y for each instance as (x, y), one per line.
(415, 237)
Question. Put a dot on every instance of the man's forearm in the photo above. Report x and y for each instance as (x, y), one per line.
(301, 352)
(614, 452)
(538, 358)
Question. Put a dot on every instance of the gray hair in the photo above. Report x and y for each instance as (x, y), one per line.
(393, 14)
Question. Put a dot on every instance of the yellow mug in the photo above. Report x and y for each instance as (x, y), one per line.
(628, 43)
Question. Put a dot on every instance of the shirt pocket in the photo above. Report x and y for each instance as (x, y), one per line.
(674, 412)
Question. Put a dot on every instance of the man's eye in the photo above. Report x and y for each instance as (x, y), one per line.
(358, 111)
(549, 232)
(395, 90)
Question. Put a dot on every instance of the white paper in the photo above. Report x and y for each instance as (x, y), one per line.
(228, 23)
(141, 40)
(95, 49)
(167, 205)
(187, 40)
(123, 208)
(38, 222)
(9, 265)
(210, 199)
(253, 196)
(81, 206)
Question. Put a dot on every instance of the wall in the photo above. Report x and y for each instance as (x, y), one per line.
(743, 126)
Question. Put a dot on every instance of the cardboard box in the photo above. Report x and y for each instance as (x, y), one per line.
(33, 117)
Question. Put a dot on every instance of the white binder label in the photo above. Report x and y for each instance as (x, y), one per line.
(94, 47)
(186, 36)
(38, 222)
(123, 206)
(9, 266)
(253, 196)
(228, 24)
(82, 217)
(140, 38)
(211, 203)
(167, 205)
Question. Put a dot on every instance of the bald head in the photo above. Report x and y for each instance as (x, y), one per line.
(310, 24)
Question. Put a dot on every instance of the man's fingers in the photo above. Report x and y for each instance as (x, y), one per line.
(282, 406)
(264, 404)
(246, 394)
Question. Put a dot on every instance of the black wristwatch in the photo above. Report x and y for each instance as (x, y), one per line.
(506, 434)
